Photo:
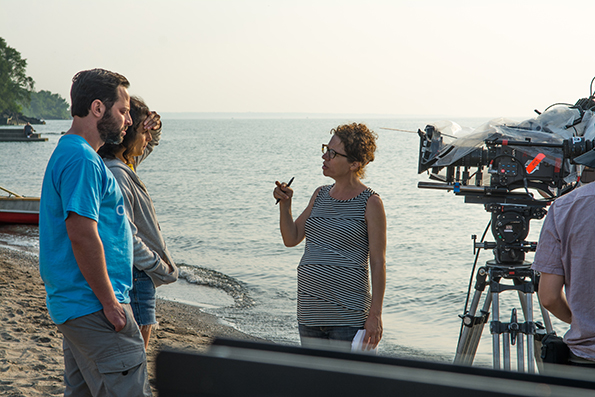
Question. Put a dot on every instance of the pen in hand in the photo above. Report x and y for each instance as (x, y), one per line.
(288, 185)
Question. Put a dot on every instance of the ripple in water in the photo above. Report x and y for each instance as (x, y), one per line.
(202, 276)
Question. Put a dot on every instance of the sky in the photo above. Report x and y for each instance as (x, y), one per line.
(405, 58)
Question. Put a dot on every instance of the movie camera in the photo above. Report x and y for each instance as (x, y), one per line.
(516, 170)
(503, 164)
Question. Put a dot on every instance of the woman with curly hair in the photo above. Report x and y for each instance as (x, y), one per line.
(153, 264)
(344, 226)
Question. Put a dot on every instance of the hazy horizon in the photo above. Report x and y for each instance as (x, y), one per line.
(398, 57)
(300, 115)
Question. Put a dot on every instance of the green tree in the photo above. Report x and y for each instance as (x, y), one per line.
(47, 106)
(15, 85)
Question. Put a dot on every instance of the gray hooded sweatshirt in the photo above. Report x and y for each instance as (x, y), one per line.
(150, 251)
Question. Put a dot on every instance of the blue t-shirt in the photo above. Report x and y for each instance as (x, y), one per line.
(76, 180)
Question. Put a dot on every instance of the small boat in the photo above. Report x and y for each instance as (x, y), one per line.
(18, 135)
(15, 208)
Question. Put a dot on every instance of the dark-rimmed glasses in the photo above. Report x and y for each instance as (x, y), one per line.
(331, 152)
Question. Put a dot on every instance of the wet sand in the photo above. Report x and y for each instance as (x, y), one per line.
(31, 362)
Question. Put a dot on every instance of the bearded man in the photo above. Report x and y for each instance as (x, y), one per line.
(85, 246)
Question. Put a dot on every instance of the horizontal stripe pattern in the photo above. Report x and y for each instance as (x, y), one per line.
(333, 281)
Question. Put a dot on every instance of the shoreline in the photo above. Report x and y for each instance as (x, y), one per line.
(31, 358)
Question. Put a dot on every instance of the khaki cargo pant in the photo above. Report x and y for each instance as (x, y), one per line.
(101, 362)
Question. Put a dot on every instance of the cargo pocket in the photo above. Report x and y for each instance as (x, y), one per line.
(121, 364)
(124, 374)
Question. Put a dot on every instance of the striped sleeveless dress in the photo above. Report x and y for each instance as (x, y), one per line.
(333, 283)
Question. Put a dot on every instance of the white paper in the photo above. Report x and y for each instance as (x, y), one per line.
(358, 341)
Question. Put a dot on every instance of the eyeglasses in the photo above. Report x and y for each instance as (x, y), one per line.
(331, 153)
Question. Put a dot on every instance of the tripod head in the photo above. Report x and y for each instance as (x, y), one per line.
(510, 228)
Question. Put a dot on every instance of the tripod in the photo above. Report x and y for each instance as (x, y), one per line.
(510, 227)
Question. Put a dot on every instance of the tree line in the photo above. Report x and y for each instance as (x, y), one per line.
(17, 90)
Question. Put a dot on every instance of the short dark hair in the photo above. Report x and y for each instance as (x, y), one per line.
(89, 85)
(138, 112)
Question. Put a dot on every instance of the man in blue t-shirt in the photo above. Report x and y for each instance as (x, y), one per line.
(85, 250)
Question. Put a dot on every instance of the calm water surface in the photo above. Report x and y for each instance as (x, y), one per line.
(212, 183)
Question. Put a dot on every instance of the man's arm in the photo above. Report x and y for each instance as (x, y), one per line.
(90, 257)
(552, 296)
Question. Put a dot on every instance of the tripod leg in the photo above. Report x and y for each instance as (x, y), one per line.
(520, 352)
(510, 336)
(467, 323)
(496, 336)
(506, 351)
(523, 300)
(530, 336)
(478, 329)
(473, 325)
(546, 317)
(526, 300)
(528, 315)
(471, 333)
(547, 322)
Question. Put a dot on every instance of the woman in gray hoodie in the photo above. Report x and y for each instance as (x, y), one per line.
(153, 264)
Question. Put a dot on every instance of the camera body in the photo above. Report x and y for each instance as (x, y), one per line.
(501, 165)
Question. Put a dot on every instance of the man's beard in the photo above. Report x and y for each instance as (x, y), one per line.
(109, 130)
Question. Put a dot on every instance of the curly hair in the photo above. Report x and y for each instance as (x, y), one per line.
(359, 142)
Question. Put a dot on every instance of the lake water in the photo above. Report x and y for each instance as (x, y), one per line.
(212, 180)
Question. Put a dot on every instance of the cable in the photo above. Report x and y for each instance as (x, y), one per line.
(471, 278)
(568, 104)
(556, 104)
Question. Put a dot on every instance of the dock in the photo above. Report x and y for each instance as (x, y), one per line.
(18, 135)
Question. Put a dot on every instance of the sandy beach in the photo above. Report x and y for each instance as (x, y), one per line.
(31, 362)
